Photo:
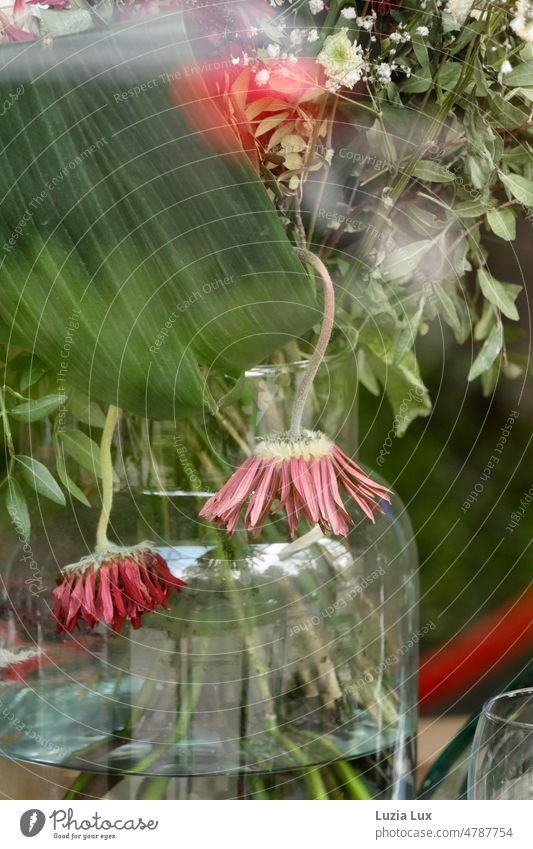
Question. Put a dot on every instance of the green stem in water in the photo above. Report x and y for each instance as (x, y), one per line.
(102, 542)
(322, 344)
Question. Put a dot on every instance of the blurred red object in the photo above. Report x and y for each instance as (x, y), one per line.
(493, 641)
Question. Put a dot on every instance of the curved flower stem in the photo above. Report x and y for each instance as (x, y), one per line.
(323, 340)
(102, 541)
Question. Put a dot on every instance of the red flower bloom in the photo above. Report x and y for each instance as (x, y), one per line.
(113, 587)
(302, 475)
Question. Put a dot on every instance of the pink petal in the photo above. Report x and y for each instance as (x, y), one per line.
(303, 482)
(106, 609)
(89, 598)
(76, 601)
(262, 497)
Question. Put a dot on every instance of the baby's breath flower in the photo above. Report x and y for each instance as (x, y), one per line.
(422, 31)
(262, 77)
(313, 35)
(366, 23)
(316, 6)
(343, 61)
(506, 67)
(332, 86)
(349, 13)
(273, 50)
(296, 36)
(522, 23)
(459, 10)
(383, 72)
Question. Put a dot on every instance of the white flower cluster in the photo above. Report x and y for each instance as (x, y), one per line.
(459, 10)
(343, 62)
(522, 23)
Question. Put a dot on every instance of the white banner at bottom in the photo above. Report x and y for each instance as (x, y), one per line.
(282, 824)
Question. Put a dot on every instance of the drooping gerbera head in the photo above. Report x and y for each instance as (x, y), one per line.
(112, 587)
(303, 475)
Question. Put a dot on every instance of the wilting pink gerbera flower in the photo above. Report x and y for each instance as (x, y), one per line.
(301, 475)
(113, 587)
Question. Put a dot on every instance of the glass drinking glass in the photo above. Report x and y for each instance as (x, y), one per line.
(501, 764)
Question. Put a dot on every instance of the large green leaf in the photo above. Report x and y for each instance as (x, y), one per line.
(139, 249)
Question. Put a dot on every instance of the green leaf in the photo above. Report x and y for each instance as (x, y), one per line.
(502, 295)
(67, 482)
(449, 75)
(365, 375)
(402, 261)
(519, 187)
(448, 309)
(420, 50)
(408, 332)
(432, 172)
(506, 114)
(17, 508)
(39, 478)
(34, 411)
(521, 75)
(404, 389)
(149, 251)
(82, 448)
(472, 208)
(87, 412)
(32, 374)
(418, 82)
(479, 168)
(502, 222)
(489, 379)
(485, 322)
(490, 350)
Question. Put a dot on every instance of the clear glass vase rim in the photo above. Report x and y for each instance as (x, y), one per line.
(507, 697)
(273, 369)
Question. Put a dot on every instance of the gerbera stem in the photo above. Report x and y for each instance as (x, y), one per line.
(322, 344)
(102, 541)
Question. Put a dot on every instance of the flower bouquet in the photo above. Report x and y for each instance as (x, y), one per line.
(187, 195)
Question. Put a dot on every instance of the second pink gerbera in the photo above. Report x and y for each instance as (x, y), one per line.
(303, 475)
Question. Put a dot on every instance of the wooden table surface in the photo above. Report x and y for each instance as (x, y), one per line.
(28, 781)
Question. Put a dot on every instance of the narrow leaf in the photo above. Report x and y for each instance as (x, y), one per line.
(502, 295)
(432, 172)
(39, 478)
(32, 374)
(519, 187)
(83, 449)
(67, 481)
(268, 124)
(87, 412)
(448, 309)
(408, 333)
(502, 222)
(490, 350)
(34, 411)
(17, 508)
